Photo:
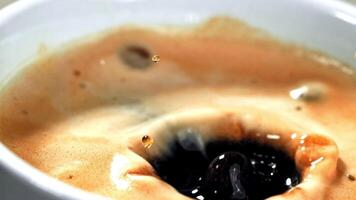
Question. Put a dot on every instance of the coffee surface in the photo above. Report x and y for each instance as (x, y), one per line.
(79, 114)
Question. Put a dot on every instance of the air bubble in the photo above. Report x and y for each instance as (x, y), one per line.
(308, 92)
(136, 56)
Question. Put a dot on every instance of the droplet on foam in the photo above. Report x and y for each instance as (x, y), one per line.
(147, 141)
(156, 58)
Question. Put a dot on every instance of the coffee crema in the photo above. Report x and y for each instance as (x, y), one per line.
(101, 114)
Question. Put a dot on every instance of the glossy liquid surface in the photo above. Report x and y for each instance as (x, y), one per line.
(227, 170)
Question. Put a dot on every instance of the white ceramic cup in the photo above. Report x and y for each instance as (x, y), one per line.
(328, 26)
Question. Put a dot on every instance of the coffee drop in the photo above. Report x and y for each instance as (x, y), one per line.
(147, 141)
(156, 58)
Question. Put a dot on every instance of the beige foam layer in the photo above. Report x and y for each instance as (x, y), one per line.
(76, 126)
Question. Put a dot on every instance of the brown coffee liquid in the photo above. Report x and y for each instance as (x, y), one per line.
(77, 113)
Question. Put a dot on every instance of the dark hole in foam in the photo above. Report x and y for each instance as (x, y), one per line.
(224, 169)
(136, 56)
